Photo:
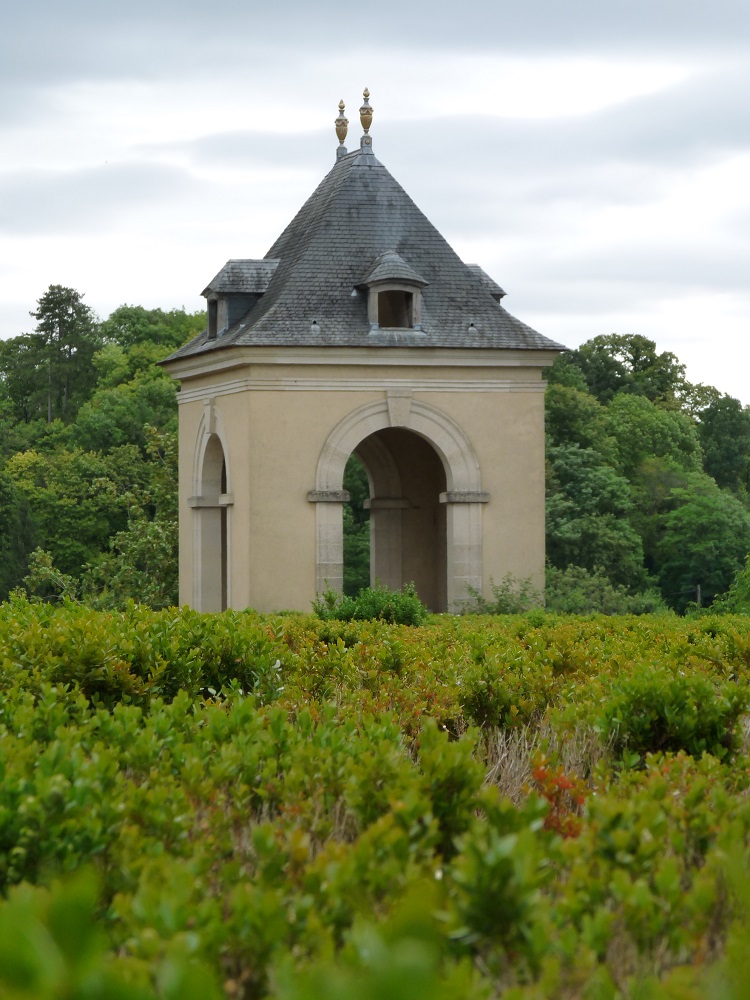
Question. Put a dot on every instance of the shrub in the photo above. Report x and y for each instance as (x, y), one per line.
(578, 591)
(52, 946)
(496, 693)
(44, 581)
(737, 599)
(656, 710)
(397, 607)
(509, 597)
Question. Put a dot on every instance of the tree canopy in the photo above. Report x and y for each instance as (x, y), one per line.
(48, 373)
(629, 363)
(724, 434)
(706, 540)
(88, 466)
(648, 476)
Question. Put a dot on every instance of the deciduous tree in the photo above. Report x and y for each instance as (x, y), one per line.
(705, 541)
(629, 363)
(642, 431)
(724, 432)
(573, 416)
(588, 511)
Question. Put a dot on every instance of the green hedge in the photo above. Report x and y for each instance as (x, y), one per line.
(518, 806)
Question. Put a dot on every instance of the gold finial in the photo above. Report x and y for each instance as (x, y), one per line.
(342, 124)
(365, 112)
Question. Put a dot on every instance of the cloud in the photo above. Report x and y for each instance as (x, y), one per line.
(46, 41)
(90, 200)
(243, 148)
(686, 124)
(613, 212)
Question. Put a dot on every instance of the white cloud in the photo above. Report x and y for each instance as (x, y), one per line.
(592, 157)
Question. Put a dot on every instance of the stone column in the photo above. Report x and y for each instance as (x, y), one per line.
(385, 540)
(464, 556)
(329, 574)
(212, 551)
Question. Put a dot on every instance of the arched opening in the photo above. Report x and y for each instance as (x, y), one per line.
(425, 504)
(212, 526)
(406, 479)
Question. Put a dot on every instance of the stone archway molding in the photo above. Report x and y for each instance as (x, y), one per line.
(464, 495)
(443, 433)
(211, 425)
(211, 523)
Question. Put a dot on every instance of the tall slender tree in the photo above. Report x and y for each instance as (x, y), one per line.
(66, 338)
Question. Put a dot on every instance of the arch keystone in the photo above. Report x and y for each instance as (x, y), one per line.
(399, 406)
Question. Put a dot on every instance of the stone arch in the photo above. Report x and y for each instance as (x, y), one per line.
(463, 495)
(211, 504)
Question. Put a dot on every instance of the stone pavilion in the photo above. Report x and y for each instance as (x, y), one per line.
(361, 331)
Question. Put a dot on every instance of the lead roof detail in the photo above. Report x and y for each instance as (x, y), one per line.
(358, 227)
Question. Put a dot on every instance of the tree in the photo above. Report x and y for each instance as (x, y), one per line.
(21, 372)
(588, 511)
(652, 490)
(61, 349)
(15, 535)
(642, 430)
(705, 541)
(629, 363)
(356, 528)
(76, 499)
(696, 397)
(573, 416)
(118, 415)
(737, 599)
(578, 591)
(565, 371)
(129, 326)
(88, 426)
(142, 561)
(724, 432)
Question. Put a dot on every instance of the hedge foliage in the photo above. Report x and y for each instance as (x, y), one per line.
(279, 806)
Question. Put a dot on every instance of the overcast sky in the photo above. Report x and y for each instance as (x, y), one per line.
(593, 157)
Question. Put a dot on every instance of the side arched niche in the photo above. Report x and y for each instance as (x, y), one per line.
(211, 503)
(425, 500)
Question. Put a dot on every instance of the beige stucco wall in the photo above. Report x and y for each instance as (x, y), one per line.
(274, 413)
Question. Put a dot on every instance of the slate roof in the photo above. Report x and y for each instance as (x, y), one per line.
(357, 214)
(495, 290)
(244, 276)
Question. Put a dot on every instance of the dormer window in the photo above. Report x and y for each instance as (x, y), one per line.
(395, 294)
(395, 308)
(234, 291)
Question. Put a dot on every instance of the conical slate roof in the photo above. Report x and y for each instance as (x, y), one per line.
(358, 221)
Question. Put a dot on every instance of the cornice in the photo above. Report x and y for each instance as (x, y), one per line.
(279, 384)
(199, 366)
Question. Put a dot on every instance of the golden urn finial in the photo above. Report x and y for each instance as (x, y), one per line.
(365, 112)
(342, 124)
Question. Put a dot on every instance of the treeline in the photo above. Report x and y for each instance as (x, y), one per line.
(88, 456)
(648, 476)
